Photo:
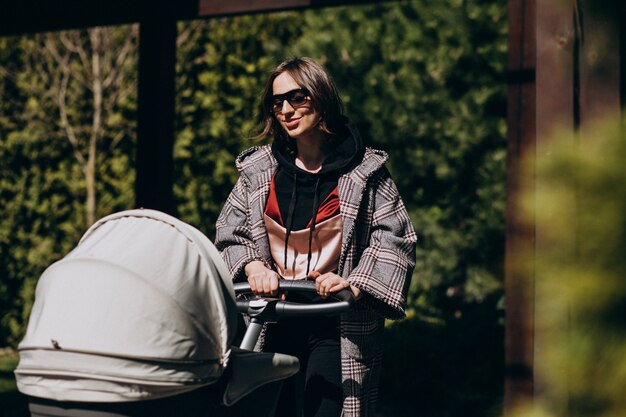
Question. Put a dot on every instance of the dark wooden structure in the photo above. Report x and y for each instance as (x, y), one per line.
(566, 67)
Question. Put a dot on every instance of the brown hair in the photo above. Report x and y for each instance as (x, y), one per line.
(313, 78)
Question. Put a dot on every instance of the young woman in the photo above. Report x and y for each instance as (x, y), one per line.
(317, 204)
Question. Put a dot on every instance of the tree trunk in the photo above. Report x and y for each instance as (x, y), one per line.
(96, 127)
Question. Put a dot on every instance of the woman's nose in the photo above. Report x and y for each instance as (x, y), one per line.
(287, 107)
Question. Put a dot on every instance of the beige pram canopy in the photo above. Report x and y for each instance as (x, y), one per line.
(142, 308)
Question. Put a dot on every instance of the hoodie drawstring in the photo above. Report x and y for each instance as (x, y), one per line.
(292, 208)
(289, 224)
(312, 228)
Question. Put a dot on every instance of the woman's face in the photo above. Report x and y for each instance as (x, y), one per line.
(300, 122)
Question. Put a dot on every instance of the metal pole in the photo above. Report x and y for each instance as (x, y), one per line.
(252, 335)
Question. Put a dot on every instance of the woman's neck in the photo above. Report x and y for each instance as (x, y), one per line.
(311, 153)
(308, 166)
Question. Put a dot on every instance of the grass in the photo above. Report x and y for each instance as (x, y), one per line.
(8, 362)
(12, 403)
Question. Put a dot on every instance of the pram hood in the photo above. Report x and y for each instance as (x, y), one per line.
(143, 302)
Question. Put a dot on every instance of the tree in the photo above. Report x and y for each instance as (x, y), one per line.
(66, 133)
(90, 62)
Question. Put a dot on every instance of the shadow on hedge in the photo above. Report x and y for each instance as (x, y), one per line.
(445, 368)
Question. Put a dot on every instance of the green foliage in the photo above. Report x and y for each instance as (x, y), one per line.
(8, 362)
(43, 187)
(424, 81)
(580, 208)
(11, 401)
(222, 67)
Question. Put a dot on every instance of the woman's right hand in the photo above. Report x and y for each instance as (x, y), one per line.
(263, 281)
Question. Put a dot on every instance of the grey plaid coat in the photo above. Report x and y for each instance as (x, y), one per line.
(377, 256)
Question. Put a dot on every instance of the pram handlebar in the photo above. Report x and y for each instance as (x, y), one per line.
(263, 310)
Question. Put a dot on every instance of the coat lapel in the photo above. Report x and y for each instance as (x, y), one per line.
(350, 196)
(258, 167)
(352, 187)
(263, 181)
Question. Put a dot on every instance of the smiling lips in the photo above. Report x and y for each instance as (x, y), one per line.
(292, 123)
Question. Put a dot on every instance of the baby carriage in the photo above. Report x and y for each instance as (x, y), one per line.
(139, 320)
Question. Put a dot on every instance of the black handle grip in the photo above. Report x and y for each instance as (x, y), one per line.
(342, 301)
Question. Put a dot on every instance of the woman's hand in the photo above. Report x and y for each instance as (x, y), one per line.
(263, 281)
(329, 283)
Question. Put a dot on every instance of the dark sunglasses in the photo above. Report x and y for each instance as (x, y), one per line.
(295, 98)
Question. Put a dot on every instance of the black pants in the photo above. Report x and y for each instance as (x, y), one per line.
(316, 390)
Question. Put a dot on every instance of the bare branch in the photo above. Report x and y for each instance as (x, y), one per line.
(67, 43)
(116, 74)
(115, 97)
(96, 65)
(82, 53)
(75, 46)
(190, 29)
(54, 52)
(69, 130)
(117, 139)
(126, 92)
(63, 60)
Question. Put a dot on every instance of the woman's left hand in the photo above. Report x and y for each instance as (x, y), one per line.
(329, 283)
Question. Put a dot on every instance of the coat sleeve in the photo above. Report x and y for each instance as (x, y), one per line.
(385, 267)
(233, 234)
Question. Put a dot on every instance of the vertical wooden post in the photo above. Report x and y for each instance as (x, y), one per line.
(541, 99)
(621, 17)
(599, 63)
(557, 115)
(155, 124)
(519, 235)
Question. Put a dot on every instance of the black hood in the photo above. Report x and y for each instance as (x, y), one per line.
(344, 154)
(300, 193)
